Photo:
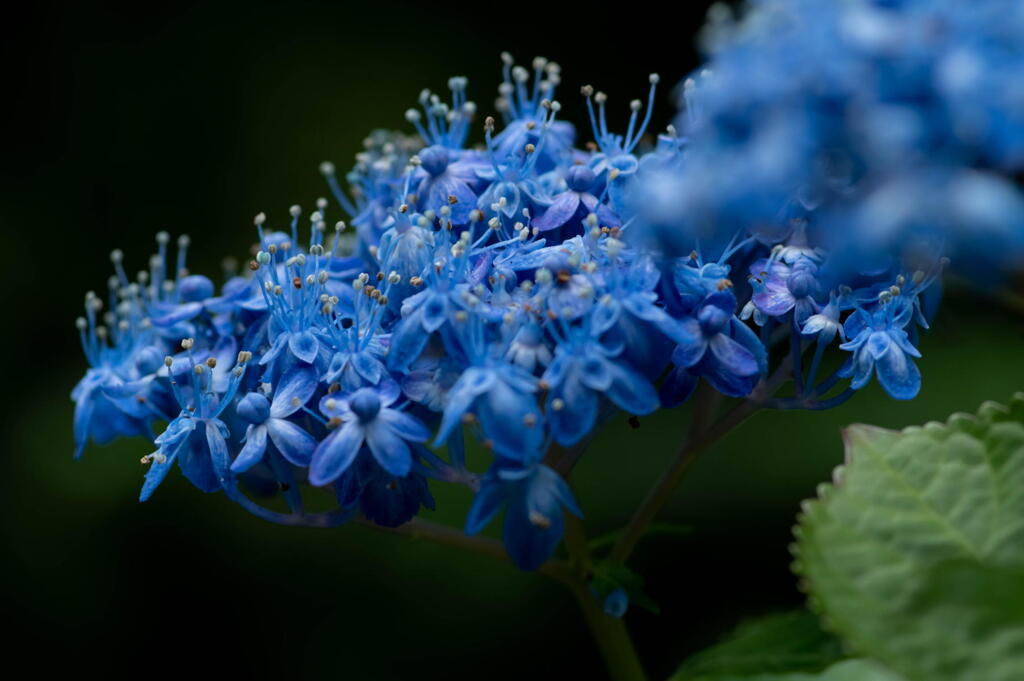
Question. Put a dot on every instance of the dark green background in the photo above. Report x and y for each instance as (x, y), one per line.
(124, 120)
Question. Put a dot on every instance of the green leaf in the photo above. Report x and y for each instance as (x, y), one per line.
(848, 670)
(916, 555)
(786, 642)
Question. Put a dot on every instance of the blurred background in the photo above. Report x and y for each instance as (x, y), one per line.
(122, 119)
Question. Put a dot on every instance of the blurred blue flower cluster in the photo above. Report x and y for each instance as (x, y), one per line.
(523, 291)
(882, 126)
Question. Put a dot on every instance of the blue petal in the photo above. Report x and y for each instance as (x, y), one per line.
(745, 336)
(293, 442)
(368, 366)
(775, 298)
(196, 465)
(335, 454)
(155, 475)
(861, 368)
(304, 346)
(282, 472)
(631, 392)
(391, 501)
(293, 390)
(898, 374)
(471, 384)
(677, 387)
(254, 408)
(878, 344)
(548, 491)
(689, 353)
(530, 540)
(405, 426)
(595, 372)
(390, 450)
(900, 337)
(561, 211)
(435, 312)
(512, 422)
(486, 505)
(219, 456)
(445, 186)
(252, 452)
(83, 416)
(275, 349)
(578, 414)
(179, 314)
(407, 342)
(733, 356)
(616, 603)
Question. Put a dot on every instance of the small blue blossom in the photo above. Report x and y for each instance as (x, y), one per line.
(880, 344)
(271, 419)
(366, 417)
(534, 497)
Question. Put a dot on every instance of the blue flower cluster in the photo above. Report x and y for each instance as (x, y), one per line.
(520, 292)
(884, 126)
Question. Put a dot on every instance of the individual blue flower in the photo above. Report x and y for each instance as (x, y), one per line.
(366, 417)
(575, 203)
(386, 499)
(197, 438)
(825, 325)
(501, 397)
(525, 113)
(786, 289)
(583, 371)
(534, 497)
(430, 378)
(880, 345)
(444, 186)
(721, 348)
(271, 419)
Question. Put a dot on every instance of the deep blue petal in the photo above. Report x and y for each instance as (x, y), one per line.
(560, 212)
(293, 390)
(898, 374)
(294, 443)
(252, 452)
(336, 453)
(390, 450)
(632, 392)
(304, 346)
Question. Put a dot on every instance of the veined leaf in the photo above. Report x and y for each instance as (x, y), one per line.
(916, 555)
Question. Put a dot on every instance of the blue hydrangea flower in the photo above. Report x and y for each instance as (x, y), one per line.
(270, 419)
(534, 497)
(880, 344)
(366, 417)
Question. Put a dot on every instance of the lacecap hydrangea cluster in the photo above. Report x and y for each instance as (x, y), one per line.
(519, 292)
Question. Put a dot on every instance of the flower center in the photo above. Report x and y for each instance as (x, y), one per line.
(712, 319)
(365, 404)
(580, 178)
(434, 159)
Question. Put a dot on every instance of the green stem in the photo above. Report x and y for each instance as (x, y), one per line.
(610, 633)
(700, 439)
(612, 638)
(662, 491)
